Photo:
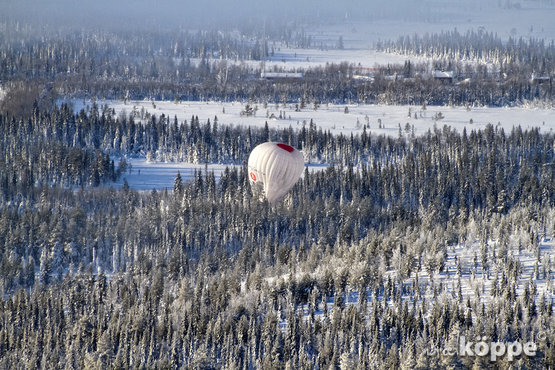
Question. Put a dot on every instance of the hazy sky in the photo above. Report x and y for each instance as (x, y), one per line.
(493, 15)
(165, 11)
(200, 12)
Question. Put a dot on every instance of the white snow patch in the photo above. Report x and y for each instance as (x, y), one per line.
(379, 119)
(146, 175)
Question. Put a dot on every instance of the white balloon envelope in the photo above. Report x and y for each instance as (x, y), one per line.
(274, 168)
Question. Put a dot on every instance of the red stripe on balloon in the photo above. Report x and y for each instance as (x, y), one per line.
(289, 148)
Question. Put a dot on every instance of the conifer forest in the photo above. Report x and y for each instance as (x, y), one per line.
(433, 250)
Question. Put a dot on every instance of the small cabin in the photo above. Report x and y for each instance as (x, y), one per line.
(447, 76)
(537, 79)
(281, 75)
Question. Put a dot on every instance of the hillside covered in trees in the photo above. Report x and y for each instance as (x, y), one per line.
(207, 276)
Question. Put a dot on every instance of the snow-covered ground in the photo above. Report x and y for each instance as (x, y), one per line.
(144, 175)
(475, 284)
(365, 57)
(379, 119)
(296, 59)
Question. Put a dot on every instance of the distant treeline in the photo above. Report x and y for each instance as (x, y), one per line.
(512, 57)
(510, 71)
(208, 65)
(28, 160)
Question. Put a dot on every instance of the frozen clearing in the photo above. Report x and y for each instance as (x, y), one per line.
(299, 59)
(145, 175)
(379, 119)
(296, 59)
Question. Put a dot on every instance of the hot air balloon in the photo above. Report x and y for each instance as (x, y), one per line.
(274, 168)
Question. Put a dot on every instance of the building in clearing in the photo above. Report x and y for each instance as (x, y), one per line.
(539, 79)
(281, 75)
(447, 76)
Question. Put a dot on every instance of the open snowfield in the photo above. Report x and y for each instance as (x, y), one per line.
(365, 57)
(333, 117)
(296, 59)
(144, 175)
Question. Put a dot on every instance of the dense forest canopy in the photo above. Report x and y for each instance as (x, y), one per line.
(186, 277)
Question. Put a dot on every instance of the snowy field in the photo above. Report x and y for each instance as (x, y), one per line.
(301, 59)
(379, 119)
(144, 175)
